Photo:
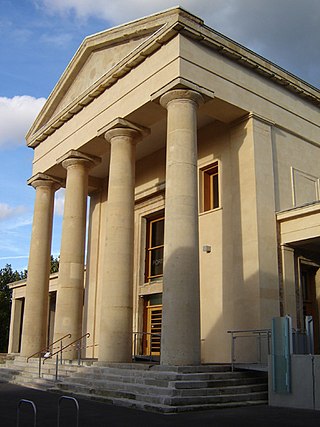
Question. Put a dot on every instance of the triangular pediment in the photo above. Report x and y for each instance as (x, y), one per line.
(98, 63)
(106, 57)
(99, 56)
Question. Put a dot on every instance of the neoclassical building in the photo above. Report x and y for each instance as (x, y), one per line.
(200, 163)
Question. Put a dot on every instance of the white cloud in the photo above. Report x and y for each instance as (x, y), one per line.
(7, 211)
(286, 31)
(14, 257)
(119, 11)
(58, 40)
(16, 117)
(59, 202)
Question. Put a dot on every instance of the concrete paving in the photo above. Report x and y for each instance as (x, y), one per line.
(103, 415)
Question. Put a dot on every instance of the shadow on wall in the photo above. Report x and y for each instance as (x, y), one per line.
(249, 283)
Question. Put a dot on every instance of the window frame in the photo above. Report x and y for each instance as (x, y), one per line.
(149, 278)
(210, 187)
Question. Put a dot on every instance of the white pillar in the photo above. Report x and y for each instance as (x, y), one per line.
(37, 290)
(180, 340)
(69, 308)
(115, 343)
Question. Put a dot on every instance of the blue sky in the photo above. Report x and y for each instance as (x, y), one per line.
(39, 37)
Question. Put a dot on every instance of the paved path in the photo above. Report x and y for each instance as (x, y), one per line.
(95, 414)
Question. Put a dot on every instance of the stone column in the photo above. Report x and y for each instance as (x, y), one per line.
(180, 340)
(69, 307)
(37, 290)
(115, 343)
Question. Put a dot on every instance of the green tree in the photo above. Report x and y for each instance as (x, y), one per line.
(7, 275)
(54, 264)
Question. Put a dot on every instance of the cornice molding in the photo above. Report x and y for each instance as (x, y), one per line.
(181, 22)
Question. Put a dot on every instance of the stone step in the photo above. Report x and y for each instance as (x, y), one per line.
(169, 409)
(3, 358)
(50, 370)
(48, 367)
(227, 396)
(200, 400)
(163, 388)
(34, 361)
(160, 407)
(7, 374)
(153, 370)
(43, 386)
(98, 381)
(159, 368)
(220, 382)
(107, 392)
(101, 385)
(18, 371)
(110, 373)
(164, 368)
(250, 388)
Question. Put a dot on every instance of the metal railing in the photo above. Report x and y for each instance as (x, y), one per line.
(34, 411)
(138, 345)
(72, 399)
(48, 348)
(76, 343)
(46, 351)
(259, 335)
(303, 339)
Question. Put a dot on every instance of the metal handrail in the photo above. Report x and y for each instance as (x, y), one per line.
(248, 330)
(146, 333)
(249, 333)
(48, 346)
(87, 335)
(135, 339)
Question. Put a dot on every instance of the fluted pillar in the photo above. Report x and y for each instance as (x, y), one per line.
(69, 306)
(180, 340)
(37, 290)
(115, 342)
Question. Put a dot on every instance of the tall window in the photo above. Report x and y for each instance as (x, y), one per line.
(209, 187)
(154, 249)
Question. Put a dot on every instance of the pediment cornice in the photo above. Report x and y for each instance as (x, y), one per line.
(155, 31)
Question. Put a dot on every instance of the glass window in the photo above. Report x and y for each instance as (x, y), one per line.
(154, 250)
(209, 187)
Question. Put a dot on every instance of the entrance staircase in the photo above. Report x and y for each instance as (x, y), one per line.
(147, 386)
(16, 370)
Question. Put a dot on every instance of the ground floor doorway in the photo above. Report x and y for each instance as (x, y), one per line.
(152, 325)
(51, 317)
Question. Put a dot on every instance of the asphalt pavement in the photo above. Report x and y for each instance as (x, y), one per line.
(96, 414)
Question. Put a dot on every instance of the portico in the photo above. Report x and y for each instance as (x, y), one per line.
(175, 135)
(181, 265)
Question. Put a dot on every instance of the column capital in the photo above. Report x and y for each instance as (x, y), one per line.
(124, 128)
(43, 180)
(74, 157)
(181, 94)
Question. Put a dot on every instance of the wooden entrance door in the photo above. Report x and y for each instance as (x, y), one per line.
(153, 336)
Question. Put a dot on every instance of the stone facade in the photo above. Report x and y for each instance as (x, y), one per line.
(201, 163)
